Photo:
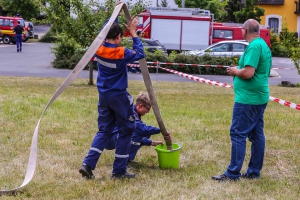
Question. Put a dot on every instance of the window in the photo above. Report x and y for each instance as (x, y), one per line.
(274, 24)
(223, 34)
(140, 21)
(220, 48)
(238, 47)
(6, 22)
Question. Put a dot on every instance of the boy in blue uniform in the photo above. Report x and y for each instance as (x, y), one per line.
(142, 133)
(115, 103)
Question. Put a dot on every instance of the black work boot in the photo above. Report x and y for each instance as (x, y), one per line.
(86, 172)
(223, 177)
(121, 176)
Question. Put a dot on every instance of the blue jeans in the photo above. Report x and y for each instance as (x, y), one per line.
(247, 122)
(19, 42)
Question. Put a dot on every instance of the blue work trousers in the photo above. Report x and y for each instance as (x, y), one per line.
(19, 42)
(247, 122)
(112, 109)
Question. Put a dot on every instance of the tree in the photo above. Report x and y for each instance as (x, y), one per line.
(76, 24)
(232, 7)
(28, 9)
(249, 11)
(214, 6)
(164, 3)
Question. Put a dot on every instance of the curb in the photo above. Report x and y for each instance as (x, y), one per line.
(273, 73)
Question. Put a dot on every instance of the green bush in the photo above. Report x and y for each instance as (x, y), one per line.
(282, 44)
(192, 59)
(67, 53)
(49, 37)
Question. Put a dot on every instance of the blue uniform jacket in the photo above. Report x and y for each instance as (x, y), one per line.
(140, 136)
(112, 66)
(143, 132)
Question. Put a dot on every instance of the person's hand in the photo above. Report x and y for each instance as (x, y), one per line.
(131, 26)
(168, 136)
(231, 70)
(155, 143)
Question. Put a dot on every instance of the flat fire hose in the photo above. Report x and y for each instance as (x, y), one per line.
(32, 161)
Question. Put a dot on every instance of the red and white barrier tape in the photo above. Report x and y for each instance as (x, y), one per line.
(194, 78)
(183, 64)
(198, 65)
(198, 79)
(280, 101)
(284, 68)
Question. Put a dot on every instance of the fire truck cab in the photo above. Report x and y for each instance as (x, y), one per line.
(177, 28)
(233, 31)
(7, 24)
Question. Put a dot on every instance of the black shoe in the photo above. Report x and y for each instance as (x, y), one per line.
(86, 172)
(223, 177)
(17, 50)
(132, 162)
(121, 176)
(249, 176)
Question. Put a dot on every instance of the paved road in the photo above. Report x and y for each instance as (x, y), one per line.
(35, 60)
(41, 30)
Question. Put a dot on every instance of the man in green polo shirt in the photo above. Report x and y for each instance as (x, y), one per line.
(251, 97)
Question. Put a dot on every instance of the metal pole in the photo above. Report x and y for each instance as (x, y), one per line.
(182, 4)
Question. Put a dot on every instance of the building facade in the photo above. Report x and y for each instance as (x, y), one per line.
(279, 12)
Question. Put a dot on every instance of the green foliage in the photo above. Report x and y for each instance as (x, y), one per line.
(164, 3)
(192, 59)
(295, 57)
(286, 44)
(250, 11)
(49, 37)
(67, 52)
(26, 8)
(214, 6)
(231, 7)
(82, 26)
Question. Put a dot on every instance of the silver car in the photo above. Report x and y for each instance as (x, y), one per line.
(223, 48)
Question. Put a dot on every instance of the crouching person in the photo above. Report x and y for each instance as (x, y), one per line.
(142, 133)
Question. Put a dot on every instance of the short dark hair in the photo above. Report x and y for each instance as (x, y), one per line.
(114, 31)
(19, 22)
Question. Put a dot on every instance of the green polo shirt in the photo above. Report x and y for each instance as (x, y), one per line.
(254, 91)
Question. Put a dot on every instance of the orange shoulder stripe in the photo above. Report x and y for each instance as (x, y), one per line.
(111, 53)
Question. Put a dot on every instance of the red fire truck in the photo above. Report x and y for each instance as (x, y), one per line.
(177, 28)
(188, 28)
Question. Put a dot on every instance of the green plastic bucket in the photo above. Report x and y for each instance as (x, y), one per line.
(168, 159)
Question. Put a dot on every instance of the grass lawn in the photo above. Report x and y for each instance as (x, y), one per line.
(198, 116)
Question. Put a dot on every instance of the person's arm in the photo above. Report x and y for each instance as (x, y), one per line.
(143, 130)
(137, 51)
(147, 142)
(245, 73)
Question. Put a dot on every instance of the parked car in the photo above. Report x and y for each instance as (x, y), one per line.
(223, 48)
(29, 30)
(153, 45)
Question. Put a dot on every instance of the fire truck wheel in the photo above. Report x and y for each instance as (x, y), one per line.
(6, 39)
